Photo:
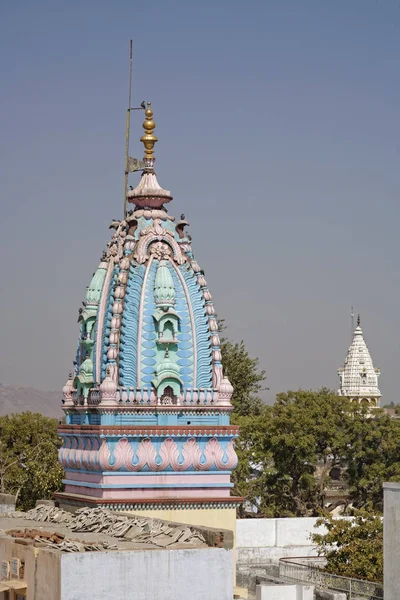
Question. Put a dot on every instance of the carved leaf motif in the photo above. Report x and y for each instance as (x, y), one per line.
(71, 460)
(212, 453)
(104, 456)
(191, 454)
(123, 455)
(147, 455)
(231, 455)
(169, 454)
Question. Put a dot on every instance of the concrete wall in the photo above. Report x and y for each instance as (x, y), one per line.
(41, 568)
(217, 518)
(198, 574)
(263, 541)
(7, 503)
(391, 540)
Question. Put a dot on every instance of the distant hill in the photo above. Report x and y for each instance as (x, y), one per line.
(20, 399)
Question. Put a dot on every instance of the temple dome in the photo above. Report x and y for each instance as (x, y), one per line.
(148, 293)
(358, 376)
(147, 401)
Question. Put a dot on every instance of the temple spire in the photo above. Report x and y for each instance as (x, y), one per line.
(148, 193)
(148, 139)
(358, 376)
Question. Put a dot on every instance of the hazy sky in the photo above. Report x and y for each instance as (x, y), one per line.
(278, 126)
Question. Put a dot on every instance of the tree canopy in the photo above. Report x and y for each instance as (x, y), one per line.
(287, 451)
(244, 374)
(352, 548)
(29, 466)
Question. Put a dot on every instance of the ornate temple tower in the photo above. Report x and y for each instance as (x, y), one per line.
(358, 377)
(147, 407)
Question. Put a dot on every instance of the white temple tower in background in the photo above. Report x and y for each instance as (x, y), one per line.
(358, 377)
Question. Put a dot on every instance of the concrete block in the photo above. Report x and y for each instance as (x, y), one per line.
(276, 592)
(45, 503)
(305, 592)
(266, 591)
(326, 595)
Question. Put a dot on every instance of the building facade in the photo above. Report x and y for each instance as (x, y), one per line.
(148, 407)
(358, 376)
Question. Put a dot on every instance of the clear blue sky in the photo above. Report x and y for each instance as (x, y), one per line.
(279, 134)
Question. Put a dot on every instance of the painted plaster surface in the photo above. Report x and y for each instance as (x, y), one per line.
(217, 518)
(150, 575)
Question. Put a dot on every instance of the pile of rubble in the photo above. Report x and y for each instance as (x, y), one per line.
(99, 520)
(58, 540)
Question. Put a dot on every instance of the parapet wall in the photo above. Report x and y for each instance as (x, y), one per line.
(265, 541)
(260, 543)
(178, 574)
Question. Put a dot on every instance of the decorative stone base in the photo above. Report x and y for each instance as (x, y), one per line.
(72, 502)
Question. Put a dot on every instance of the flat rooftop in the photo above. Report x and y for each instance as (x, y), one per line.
(95, 530)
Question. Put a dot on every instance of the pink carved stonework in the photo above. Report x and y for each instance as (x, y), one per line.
(104, 456)
(123, 455)
(87, 454)
(225, 392)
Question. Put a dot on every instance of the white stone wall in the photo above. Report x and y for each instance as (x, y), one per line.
(198, 574)
(263, 541)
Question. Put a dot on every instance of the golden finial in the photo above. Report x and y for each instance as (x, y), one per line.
(148, 139)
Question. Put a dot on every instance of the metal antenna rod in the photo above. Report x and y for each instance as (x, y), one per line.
(130, 74)
(127, 130)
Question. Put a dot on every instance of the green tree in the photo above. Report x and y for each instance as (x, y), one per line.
(244, 374)
(249, 477)
(286, 452)
(29, 466)
(372, 455)
(352, 548)
(280, 449)
(305, 430)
